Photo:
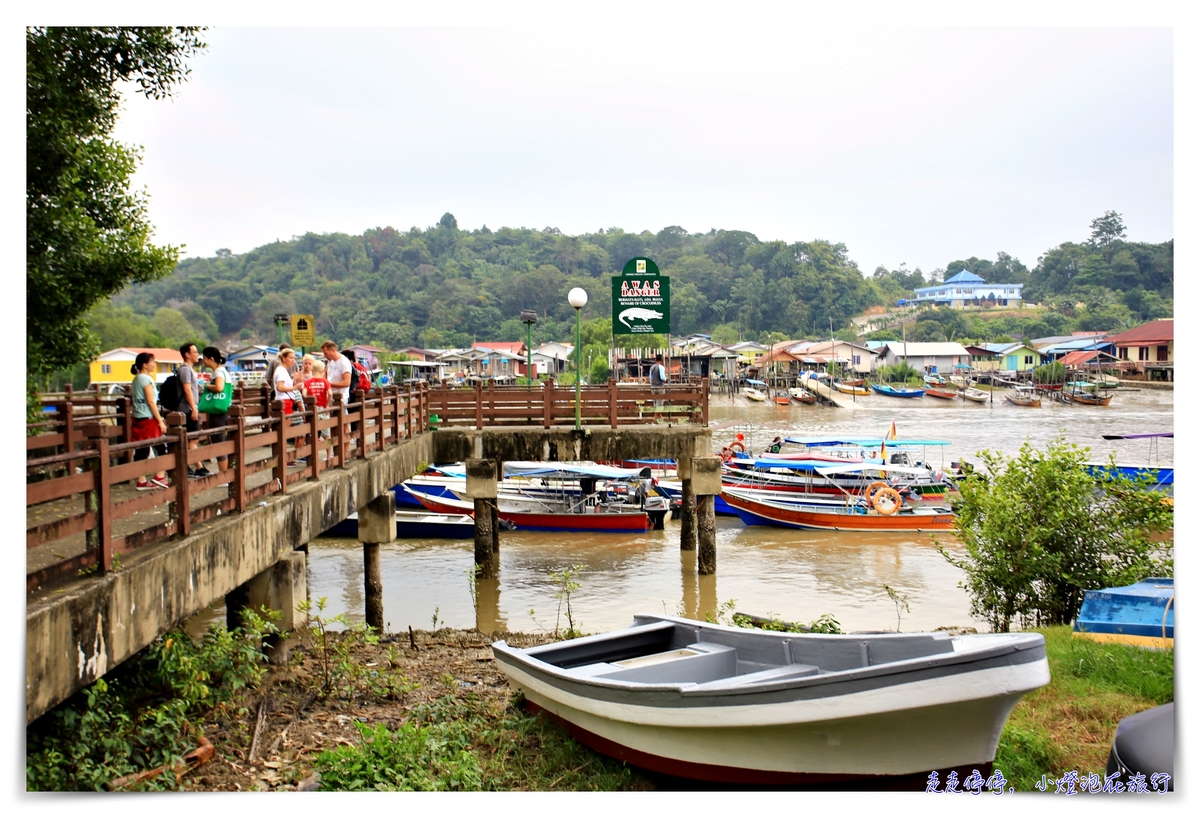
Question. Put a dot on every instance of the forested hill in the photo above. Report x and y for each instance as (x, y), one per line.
(443, 286)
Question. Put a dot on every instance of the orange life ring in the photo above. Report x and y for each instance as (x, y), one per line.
(738, 445)
(874, 487)
(876, 501)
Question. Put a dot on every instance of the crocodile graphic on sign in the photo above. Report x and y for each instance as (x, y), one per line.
(637, 314)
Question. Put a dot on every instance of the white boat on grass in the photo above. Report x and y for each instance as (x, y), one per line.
(736, 705)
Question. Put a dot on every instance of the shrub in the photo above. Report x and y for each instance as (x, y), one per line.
(1039, 530)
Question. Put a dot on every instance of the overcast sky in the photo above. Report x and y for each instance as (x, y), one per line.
(907, 144)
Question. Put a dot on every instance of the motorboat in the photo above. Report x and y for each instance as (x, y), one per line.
(1142, 614)
(943, 394)
(896, 391)
(972, 394)
(753, 392)
(417, 525)
(884, 510)
(747, 706)
(1024, 396)
(801, 395)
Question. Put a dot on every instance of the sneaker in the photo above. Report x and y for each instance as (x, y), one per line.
(160, 482)
(145, 485)
(200, 473)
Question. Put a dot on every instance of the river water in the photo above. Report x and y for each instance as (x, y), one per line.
(798, 575)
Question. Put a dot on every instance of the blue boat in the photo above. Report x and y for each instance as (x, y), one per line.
(893, 392)
(1163, 477)
(1142, 614)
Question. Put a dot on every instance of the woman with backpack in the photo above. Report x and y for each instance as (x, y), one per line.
(148, 422)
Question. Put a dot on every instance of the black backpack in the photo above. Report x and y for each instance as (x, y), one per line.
(170, 394)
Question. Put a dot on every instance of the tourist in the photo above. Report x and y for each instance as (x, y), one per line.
(189, 385)
(775, 447)
(284, 388)
(148, 423)
(214, 362)
(338, 370)
(318, 389)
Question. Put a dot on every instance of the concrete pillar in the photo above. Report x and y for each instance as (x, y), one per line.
(281, 588)
(496, 533)
(482, 489)
(706, 478)
(376, 525)
(687, 506)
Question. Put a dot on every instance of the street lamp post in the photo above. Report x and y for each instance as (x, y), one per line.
(577, 298)
(529, 318)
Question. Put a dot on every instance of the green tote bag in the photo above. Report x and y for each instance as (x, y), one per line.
(216, 403)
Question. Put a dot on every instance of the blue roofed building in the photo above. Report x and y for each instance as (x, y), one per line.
(965, 289)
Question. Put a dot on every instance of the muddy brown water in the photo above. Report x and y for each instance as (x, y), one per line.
(798, 575)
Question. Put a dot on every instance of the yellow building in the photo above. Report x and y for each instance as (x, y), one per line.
(114, 366)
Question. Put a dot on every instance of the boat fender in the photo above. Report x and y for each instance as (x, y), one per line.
(877, 501)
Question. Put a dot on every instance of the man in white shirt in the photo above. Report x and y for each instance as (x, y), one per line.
(338, 370)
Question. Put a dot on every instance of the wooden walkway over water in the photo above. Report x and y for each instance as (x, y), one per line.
(108, 567)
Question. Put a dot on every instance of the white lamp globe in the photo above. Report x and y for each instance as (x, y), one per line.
(577, 297)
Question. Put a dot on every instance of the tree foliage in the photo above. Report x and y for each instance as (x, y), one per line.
(1039, 530)
(87, 236)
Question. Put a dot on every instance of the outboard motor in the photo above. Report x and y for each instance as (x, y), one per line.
(656, 509)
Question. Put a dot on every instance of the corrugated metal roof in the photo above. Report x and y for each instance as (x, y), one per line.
(926, 348)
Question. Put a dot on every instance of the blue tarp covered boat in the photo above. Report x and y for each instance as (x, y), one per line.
(1141, 614)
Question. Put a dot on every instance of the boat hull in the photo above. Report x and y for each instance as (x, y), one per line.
(943, 394)
(883, 389)
(1142, 614)
(624, 522)
(416, 525)
(780, 515)
(867, 718)
(1091, 400)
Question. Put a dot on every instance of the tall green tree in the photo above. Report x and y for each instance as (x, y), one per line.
(87, 234)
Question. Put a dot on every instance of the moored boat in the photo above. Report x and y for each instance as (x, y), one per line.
(547, 515)
(782, 399)
(802, 395)
(972, 394)
(1024, 396)
(851, 388)
(896, 392)
(421, 524)
(1142, 614)
(753, 392)
(1086, 398)
(943, 394)
(883, 511)
(720, 703)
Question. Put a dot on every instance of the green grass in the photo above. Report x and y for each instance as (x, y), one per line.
(1069, 724)
(464, 743)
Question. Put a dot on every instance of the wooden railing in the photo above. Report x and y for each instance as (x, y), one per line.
(79, 482)
(82, 511)
(548, 404)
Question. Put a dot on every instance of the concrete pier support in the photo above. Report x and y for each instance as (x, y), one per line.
(706, 479)
(281, 588)
(376, 525)
(482, 479)
(687, 507)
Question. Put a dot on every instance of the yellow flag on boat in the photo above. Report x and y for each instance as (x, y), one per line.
(891, 435)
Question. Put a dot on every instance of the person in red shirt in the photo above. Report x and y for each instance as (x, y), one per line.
(320, 390)
(317, 386)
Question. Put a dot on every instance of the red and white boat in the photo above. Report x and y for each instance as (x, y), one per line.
(584, 511)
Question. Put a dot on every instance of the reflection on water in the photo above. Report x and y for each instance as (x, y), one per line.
(797, 575)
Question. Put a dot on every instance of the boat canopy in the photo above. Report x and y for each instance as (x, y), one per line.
(870, 442)
(823, 468)
(756, 383)
(561, 471)
(859, 468)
